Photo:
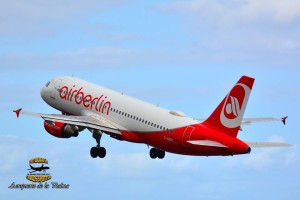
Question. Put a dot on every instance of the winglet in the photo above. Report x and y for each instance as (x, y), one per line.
(18, 112)
(284, 119)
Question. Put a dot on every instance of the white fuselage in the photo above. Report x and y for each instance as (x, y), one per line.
(77, 97)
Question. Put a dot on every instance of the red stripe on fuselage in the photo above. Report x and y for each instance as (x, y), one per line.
(175, 141)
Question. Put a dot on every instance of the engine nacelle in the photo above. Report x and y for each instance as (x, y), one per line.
(61, 130)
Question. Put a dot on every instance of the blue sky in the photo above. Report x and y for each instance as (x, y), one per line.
(182, 55)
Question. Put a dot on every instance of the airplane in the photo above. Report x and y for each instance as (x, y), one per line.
(42, 168)
(86, 105)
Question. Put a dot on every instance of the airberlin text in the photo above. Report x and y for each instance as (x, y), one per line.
(54, 185)
(99, 103)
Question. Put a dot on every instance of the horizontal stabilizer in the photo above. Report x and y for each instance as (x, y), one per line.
(249, 121)
(207, 143)
(267, 144)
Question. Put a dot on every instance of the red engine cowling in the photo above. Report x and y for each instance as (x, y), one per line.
(61, 130)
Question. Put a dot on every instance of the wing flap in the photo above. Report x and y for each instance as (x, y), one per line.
(207, 143)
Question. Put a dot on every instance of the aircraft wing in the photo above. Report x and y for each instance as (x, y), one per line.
(267, 144)
(90, 121)
(249, 121)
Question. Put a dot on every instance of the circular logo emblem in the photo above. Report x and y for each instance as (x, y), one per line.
(38, 170)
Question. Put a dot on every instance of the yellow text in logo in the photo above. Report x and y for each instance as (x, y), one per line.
(38, 160)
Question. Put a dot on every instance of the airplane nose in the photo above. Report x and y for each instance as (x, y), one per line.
(43, 93)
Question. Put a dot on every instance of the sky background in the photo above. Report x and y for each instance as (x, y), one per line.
(182, 55)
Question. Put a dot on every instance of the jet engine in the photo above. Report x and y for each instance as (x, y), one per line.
(62, 130)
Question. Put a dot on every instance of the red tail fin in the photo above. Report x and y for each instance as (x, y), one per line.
(228, 116)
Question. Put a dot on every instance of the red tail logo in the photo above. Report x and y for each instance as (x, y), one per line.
(228, 116)
(234, 106)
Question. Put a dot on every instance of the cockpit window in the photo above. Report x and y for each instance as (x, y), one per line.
(47, 84)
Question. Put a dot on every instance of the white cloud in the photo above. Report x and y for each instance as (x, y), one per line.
(277, 11)
(16, 151)
(264, 159)
(93, 58)
(260, 160)
(12, 154)
(237, 11)
(267, 158)
(140, 165)
(131, 165)
(78, 59)
(219, 33)
(257, 32)
(185, 164)
(35, 17)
